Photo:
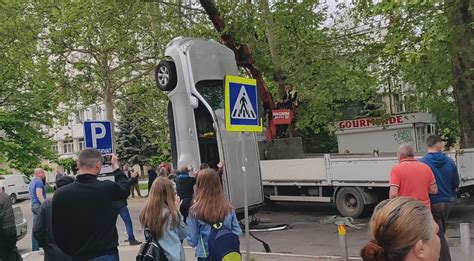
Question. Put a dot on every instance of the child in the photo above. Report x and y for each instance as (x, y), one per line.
(210, 207)
(161, 216)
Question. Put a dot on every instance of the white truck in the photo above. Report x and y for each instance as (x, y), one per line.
(192, 77)
(353, 182)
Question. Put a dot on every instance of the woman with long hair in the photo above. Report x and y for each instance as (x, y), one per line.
(402, 229)
(161, 216)
(210, 207)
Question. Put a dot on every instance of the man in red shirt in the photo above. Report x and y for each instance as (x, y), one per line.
(412, 178)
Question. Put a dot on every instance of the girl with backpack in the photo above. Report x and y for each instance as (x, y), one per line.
(161, 217)
(213, 228)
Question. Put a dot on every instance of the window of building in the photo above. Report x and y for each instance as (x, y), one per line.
(68, 147)
(80, 117)
(398, 104)
(82, 144)
(54, 148)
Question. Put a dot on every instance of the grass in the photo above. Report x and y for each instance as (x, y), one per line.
(143, 186)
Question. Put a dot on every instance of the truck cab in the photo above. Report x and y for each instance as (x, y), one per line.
(193, 78)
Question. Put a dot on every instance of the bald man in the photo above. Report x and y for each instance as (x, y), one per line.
(37, 196)
(412, 178)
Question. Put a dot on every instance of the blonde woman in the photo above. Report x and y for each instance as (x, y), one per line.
(210, 207)
(161, 216)
(402, 229)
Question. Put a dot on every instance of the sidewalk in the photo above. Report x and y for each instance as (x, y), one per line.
(130, 252)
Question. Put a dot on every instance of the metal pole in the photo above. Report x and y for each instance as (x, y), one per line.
(246, 200)
(341, 229)
(466, 241)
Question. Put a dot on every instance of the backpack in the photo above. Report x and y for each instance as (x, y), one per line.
(223, 244)
(150, 250)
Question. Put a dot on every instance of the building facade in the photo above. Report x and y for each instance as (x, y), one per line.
(68, 138)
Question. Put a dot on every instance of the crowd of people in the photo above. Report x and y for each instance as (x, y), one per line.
(411, 225)
(191, 206)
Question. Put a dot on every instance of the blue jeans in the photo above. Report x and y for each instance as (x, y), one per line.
(35, 208)
(105, 258)
(125, 215)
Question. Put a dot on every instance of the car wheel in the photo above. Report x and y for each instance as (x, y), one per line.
(13, 198)
(165, 75)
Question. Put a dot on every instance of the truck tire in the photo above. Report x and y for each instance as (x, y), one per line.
(349, 202)
(13, 198)
(165, 75)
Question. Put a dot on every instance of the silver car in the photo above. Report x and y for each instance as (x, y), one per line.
(193, 78)
(20, 222)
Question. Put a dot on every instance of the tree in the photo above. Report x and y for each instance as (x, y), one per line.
(100, 48)
(142, 126)
(327, 67)
(27, 94)
(428, 45)
(68, 164)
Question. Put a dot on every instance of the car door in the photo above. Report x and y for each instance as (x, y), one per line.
(23, 187)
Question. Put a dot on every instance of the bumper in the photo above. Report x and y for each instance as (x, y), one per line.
(21, 230)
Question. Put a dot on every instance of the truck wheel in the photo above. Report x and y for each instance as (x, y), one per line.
(349, 202)
(165, 75)
(13, 198)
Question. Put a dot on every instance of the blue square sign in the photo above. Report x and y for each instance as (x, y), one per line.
(98, 135)
(241, 104)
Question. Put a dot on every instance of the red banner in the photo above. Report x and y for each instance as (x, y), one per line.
(282, 117)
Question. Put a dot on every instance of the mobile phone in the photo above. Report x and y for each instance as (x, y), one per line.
(107, 159)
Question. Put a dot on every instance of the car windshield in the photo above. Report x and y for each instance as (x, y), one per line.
(213, 92)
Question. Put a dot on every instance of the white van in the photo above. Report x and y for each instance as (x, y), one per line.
(16, 186)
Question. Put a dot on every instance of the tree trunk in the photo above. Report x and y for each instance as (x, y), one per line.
(462, 67)
(279, 75)
(109, 112)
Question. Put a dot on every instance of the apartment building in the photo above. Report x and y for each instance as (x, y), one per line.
(68, 138)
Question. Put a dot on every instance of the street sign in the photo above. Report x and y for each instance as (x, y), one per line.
(241, 104)
(98, 135)
(241, 115)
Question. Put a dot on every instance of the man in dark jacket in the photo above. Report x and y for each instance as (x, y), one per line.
(8, 250)
(185, 190)
(83, 217)
(120, 208)
(43, 230)
(152, 175)
(447, 178)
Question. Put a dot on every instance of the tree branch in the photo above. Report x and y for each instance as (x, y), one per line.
(132, 62)
(181, 6)
(134, 78)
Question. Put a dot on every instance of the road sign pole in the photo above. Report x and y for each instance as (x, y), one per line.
(246, 198)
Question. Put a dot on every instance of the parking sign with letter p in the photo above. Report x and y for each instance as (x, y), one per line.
(98, 135)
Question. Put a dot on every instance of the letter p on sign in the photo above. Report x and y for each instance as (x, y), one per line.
(98, 135)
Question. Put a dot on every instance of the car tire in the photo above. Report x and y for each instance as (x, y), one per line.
(13, 198)
(165, 76)
(350, 202)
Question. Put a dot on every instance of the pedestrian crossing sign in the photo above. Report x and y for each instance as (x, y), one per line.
(241, 104)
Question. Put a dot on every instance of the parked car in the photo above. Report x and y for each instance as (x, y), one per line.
(16, 186)
(20, 222)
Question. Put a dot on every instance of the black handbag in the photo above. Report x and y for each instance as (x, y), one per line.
(150, 250)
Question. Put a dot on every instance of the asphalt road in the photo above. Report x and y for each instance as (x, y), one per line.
(307, 234)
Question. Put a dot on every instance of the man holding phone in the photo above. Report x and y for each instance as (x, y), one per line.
(83, 218)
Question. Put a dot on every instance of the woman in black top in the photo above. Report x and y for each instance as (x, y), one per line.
(185, 190)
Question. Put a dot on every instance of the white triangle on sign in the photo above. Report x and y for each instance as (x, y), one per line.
(243, 107)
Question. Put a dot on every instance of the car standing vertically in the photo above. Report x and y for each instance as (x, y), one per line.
(193, 78)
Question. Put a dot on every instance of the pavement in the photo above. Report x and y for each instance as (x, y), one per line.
(130, 252)
(308, 236)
